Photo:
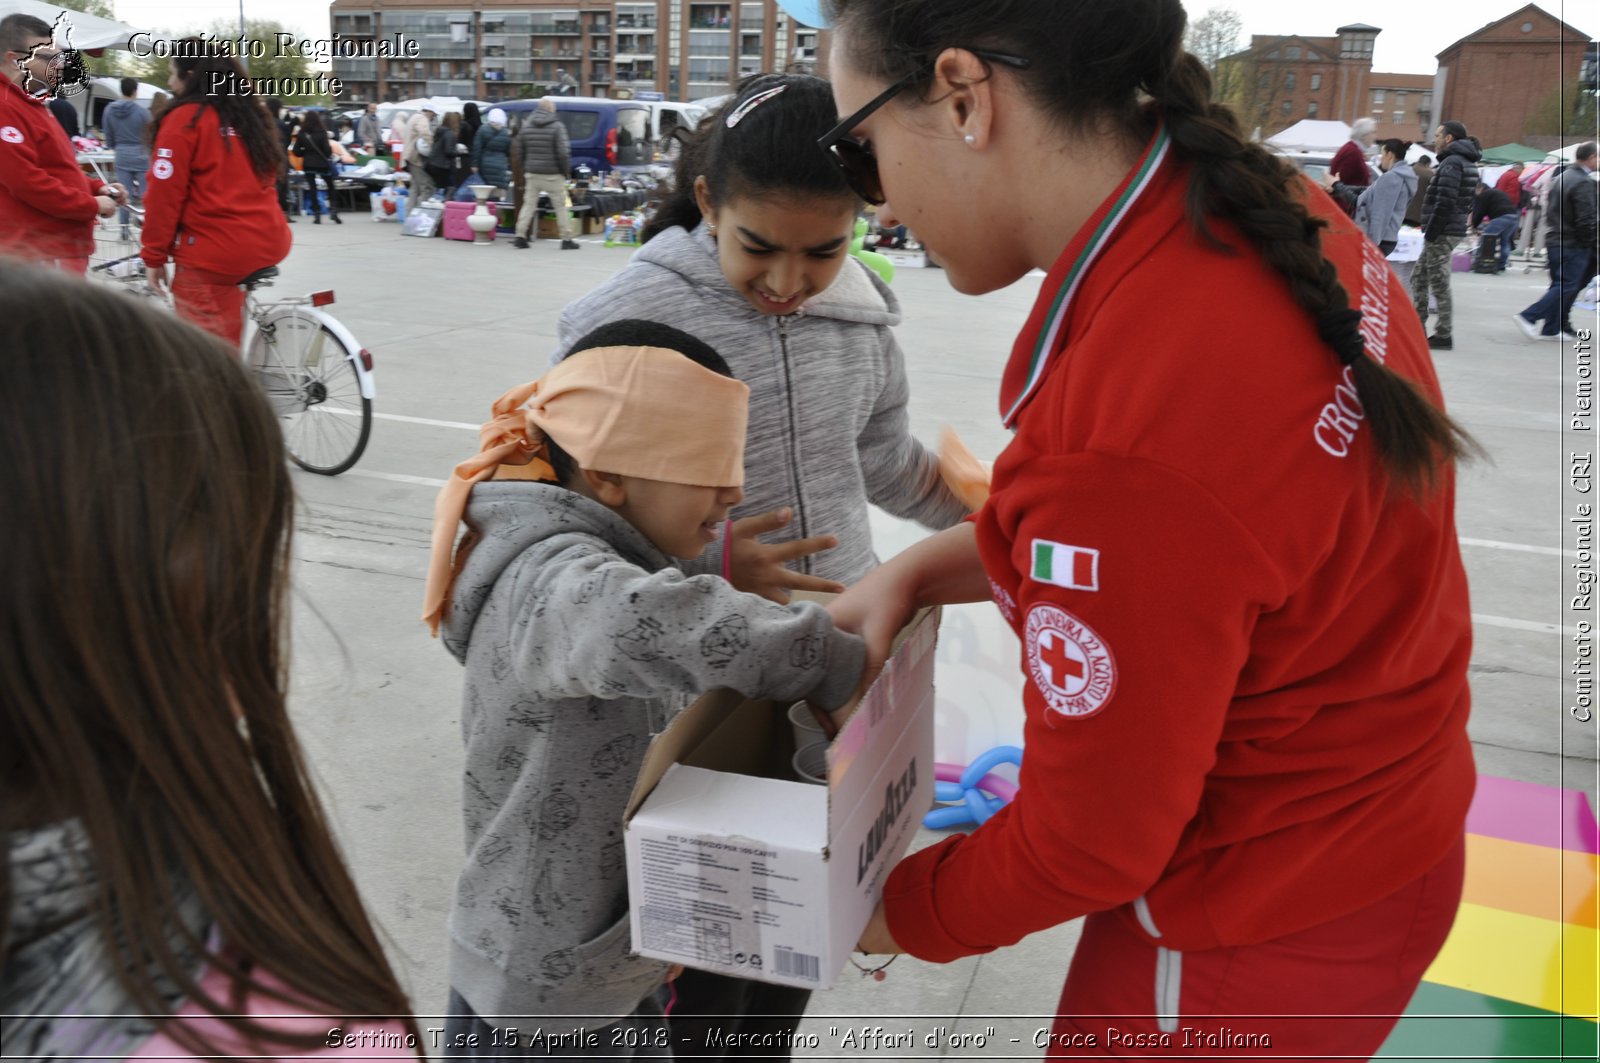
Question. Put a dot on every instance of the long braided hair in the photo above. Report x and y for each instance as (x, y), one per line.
(1102, 63)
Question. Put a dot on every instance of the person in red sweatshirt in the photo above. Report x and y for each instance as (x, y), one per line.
(48, 205)
(1223, 532)
(211, 202)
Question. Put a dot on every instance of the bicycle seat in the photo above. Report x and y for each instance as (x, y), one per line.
(260, 276)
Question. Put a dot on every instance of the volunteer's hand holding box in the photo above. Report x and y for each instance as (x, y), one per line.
(736, 867)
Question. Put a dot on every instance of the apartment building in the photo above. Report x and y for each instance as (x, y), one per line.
(506, 49)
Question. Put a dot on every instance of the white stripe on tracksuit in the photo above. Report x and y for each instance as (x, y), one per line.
(1169, 972)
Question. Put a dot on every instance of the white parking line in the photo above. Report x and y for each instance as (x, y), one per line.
(1492, 544)
(395, 477)
(1516, 625)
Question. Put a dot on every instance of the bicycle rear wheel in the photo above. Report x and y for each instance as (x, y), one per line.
(310, 377)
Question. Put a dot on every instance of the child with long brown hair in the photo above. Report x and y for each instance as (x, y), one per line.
(165, 853)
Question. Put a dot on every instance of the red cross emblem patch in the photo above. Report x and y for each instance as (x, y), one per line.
(1069, 664)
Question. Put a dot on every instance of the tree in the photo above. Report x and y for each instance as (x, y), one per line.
(1214, 35)
(1564, 112)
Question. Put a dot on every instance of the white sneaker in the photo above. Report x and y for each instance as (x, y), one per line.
(1529, 329)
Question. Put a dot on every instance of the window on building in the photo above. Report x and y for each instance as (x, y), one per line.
(1399, 118)
(1264, 81)
(1292, 52)
(1288, 108)
(1288, 81)
(1316, 82)
(1272, 55)
(1311, 109)
(1377, 97)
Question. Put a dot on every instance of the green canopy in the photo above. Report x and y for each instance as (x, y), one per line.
(1506, 154)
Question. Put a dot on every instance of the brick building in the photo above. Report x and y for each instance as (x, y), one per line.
(1402, 105)
(1279, 80)
(509, 49)
(1514, 77)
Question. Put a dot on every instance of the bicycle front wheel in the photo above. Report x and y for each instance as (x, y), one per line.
(309, 375)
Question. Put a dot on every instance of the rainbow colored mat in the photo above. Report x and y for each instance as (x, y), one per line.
(1519, 977)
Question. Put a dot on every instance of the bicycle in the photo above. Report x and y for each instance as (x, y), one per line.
(325, 407)
(317, 377)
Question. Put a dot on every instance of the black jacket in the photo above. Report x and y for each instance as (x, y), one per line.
(1571, 207)
(1491, 203)
(314, 151)
(1450, 193)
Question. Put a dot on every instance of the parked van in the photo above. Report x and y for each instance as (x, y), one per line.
(666, 117)
(605, 134)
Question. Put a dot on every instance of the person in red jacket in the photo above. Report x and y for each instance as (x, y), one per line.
(48, 205)
(1349, 163)
(1223, 532)
(211, 201)
(1511, 184)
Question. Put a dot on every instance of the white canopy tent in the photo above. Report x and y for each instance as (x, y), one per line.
(86, 33)
(1311, 135)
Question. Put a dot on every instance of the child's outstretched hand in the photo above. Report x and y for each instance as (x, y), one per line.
(758, 567)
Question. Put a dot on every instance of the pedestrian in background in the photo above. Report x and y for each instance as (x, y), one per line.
(491, 151)
(174, 889)
(1350, 161)
(315, 150)
(444, 160)
(419, 145)
(1511, 184)
(124, 123)
(1571, 205)
(368, 135)
(471, 122)
(544, 153)
(1494, 218)
(212, 203)
(1444, 225)
(48, 205)
(1423, 168)
(1382, 207)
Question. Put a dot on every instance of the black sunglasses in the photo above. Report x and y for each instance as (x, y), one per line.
(855, 160)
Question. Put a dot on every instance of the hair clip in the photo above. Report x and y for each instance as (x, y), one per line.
(751, 104)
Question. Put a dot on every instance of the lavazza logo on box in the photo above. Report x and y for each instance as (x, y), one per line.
(895, 798)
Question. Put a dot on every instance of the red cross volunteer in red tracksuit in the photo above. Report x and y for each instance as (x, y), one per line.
(1223, 532)
(47, 203)
(211, 200)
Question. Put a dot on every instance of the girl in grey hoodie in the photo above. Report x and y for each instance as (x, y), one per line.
(751, 253)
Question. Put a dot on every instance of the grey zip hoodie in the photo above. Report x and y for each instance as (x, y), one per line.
(123, 124)
(580, 642)
(829, 431)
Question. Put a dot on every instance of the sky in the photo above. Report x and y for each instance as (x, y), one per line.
(1414, 31)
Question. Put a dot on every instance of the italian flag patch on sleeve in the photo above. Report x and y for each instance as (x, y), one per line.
(1074, 567)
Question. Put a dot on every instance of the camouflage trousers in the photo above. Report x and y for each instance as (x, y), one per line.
(1432, 276)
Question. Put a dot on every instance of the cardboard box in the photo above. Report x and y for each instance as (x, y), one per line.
(736, 867)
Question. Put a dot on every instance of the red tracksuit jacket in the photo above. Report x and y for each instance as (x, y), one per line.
(47, 204)
(205, 206)
(1246, 656)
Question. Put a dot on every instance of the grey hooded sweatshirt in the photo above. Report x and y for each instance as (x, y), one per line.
(580, 642)
(829, 431)
(123, 124)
